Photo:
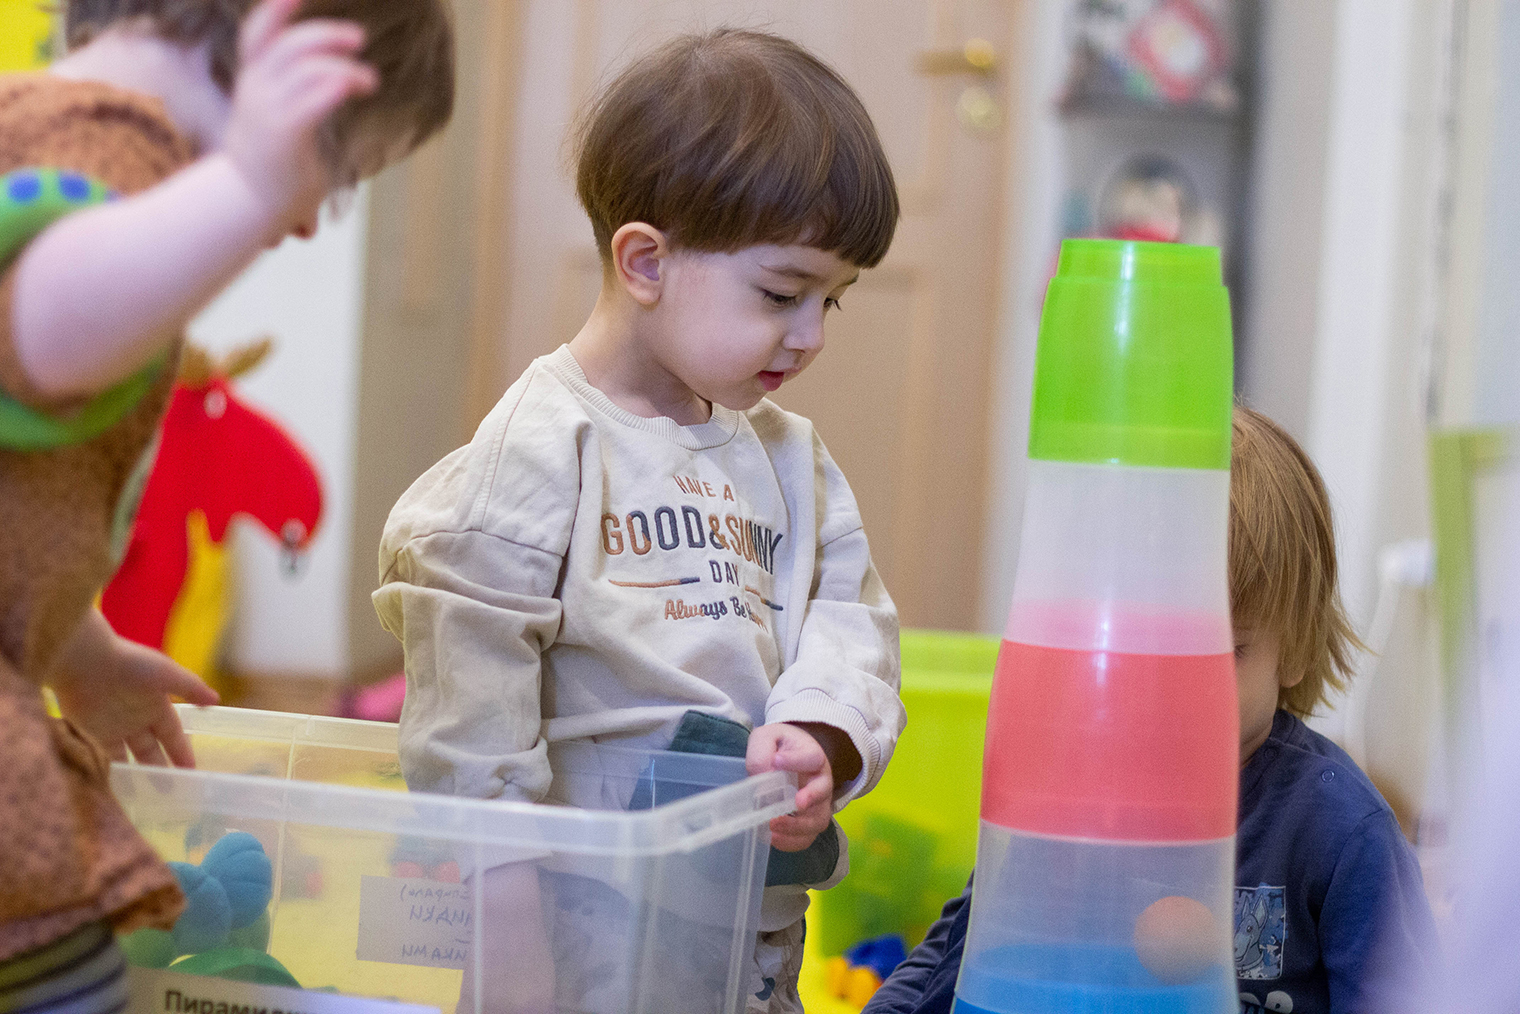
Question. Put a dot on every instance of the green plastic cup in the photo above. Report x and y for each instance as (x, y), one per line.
(1135, 364)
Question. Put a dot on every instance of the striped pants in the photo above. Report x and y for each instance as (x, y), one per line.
(84, 973)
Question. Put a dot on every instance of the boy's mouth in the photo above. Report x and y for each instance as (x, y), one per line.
(771, 379)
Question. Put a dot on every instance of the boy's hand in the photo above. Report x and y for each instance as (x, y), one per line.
(291, 78)
(118, 691)
(786, 747)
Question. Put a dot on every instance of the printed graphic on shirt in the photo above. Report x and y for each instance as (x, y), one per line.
(1277, 1002)
(738, 553)
(1261, 931)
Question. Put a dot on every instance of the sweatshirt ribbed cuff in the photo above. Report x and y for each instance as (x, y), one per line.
(817, 706)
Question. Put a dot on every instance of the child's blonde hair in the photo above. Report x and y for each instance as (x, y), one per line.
(1282, 560)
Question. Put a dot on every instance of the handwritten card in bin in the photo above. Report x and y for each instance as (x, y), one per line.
(407, 921)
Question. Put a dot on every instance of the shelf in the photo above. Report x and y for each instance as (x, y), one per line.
(1131, 107)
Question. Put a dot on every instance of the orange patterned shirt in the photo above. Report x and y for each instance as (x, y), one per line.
(68, 854)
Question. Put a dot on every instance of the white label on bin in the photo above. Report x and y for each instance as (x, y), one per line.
(160, 991)
(411, 921)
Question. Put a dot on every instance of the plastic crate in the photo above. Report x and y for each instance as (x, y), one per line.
(913, 837)
(376, 892)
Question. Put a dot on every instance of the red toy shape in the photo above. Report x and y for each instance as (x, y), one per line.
(218, 459)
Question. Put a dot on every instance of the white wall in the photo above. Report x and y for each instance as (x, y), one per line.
(1033, 203)
(309, 296)
(1294, 72)
(1383, 269)
(1364, 213)
(1496, 352)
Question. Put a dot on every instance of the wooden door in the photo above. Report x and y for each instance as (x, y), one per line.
(900, 394)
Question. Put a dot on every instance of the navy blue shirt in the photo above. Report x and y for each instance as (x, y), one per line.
(1330, 909)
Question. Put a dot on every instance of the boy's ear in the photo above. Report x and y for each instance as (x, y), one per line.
(638, 252)
(1289, 678)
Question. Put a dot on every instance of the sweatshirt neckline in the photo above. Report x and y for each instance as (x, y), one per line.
(716, 431)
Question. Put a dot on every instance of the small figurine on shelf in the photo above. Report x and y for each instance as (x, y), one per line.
(1152, 199)
(1149, 198)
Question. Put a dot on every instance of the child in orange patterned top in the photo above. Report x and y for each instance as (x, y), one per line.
(219, 128)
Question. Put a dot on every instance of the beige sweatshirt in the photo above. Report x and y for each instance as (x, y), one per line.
(577, 571)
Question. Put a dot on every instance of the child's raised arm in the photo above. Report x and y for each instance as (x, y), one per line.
(99, 294)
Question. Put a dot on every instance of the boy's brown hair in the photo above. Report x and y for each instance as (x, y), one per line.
(736, 138)
(409, 42)
(1282, 560)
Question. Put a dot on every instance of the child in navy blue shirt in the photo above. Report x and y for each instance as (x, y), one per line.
(1330, 909)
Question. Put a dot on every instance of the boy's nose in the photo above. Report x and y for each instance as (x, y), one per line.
(807, 336)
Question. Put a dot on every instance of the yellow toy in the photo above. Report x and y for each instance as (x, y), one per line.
(26, 35)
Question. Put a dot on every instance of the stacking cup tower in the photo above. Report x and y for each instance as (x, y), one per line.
(1105, 865)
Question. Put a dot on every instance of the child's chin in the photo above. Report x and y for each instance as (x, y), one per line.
(739, 401)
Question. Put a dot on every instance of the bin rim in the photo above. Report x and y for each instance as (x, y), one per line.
(679, 827)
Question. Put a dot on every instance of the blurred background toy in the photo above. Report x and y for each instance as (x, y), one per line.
(859, 972)
(378, 702)
(218, 459)
(1164, 51)
(26, 34)
(1148, 198)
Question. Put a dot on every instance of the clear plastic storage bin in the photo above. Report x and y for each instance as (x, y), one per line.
(309, 866)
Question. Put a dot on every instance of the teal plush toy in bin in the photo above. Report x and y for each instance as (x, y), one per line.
(913, 837)
(224, 929)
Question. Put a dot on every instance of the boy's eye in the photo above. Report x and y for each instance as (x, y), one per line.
(832, 304)
(777, 299)
(1241, 649)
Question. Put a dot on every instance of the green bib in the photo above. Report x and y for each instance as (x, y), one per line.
(31, 200)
